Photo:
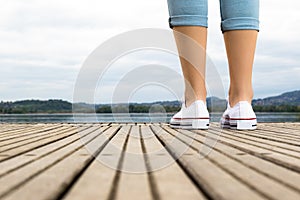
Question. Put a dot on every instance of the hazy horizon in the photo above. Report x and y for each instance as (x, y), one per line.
(132, 101)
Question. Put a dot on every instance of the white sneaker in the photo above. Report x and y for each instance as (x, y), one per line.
(195, 116)
(240, 117)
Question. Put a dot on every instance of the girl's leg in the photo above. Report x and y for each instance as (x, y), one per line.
(194, 74)
(240, 27)
(240, 47)
(189, 17)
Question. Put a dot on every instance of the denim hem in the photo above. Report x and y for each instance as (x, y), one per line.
(240, 23)
(188, 20)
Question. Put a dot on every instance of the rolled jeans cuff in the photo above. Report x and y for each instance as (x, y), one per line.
(240, 23)
(188, 20)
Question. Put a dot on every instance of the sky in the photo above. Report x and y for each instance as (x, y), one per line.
(44, 43)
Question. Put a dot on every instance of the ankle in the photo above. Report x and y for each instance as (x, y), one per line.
(193, 94)
(189, 100)
(234, 98)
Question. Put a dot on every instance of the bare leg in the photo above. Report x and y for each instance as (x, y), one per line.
(194, 75)
(240, 47)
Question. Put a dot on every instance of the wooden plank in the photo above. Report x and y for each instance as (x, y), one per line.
(279, 156)
(259, 182)
(292, 127)
(48, 178)
(274, 132)
(28, 138)
(162, 166)
(35, 154)
(283, 137)
(217, 183)
(19, 130)
(287, 132)
(261, 164)
(276, 146)
(39, 165)
(133, 182)
(269, 169)
(25, 132)
(260, 134)
(11, 152)
(100, 181)
(10, 129)
(20, 127)
(291, 133)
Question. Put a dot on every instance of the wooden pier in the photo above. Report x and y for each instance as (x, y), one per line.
(81, 162)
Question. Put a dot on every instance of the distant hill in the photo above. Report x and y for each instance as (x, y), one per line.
(215, 104)
(290, 98)
(35, 106)
(286, 102)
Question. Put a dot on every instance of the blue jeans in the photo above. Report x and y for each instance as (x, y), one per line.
(235, 14)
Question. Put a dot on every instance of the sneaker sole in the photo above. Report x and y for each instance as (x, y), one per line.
(239, 124)
(190, 124)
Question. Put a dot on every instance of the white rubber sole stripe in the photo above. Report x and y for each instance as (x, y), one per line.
(190, 124)
(239, 124)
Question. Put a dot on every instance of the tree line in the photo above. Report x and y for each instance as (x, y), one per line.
(60, 106)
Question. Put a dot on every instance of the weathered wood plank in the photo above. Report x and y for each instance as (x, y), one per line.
(29, 137)
(6, 129)
(260, 134)
(252, 178)
(20, 130)
(279, 156)
(277, 146)
(279, 132)
(27, 132)
(65, 166)
(133, 182)
(215, 181)
(35, 154)
(166, 173)
(100, 181)
(34, 144)
(269, 169)
(292, 127)
(50, 161)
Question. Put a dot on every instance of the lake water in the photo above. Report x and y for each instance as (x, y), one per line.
(133, 117)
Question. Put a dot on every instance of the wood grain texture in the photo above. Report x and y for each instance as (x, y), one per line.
(148, 161)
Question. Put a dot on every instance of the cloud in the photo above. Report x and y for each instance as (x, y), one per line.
(44, 43)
